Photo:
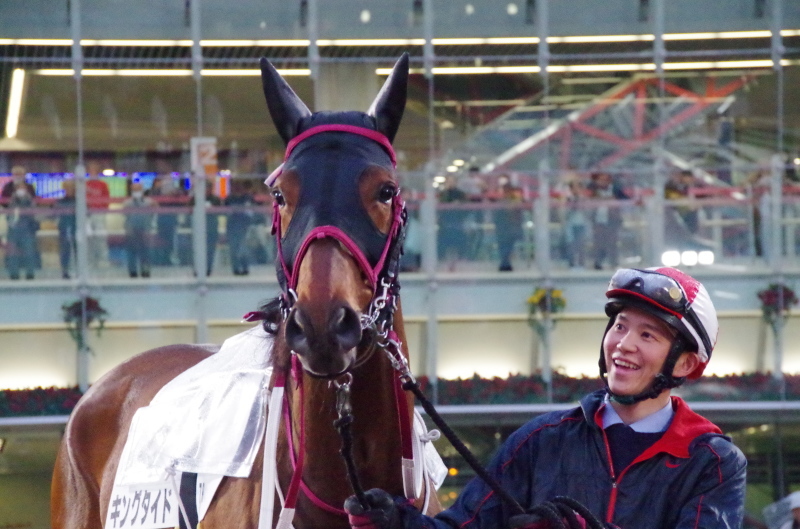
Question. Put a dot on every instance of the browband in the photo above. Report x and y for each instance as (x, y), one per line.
(374, 135)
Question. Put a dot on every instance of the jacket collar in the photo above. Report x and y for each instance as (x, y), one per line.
(686, 426)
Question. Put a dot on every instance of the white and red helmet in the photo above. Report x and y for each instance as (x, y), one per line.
(673, 296)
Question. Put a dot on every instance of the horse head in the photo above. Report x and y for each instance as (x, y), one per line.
(338, 220)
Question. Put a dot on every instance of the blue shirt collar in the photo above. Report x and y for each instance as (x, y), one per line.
(657, 421)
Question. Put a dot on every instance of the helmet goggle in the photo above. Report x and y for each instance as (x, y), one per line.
(661, 291)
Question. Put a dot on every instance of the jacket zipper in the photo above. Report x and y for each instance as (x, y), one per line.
(612, 501)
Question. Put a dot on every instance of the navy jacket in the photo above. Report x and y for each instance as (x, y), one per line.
(692, 477)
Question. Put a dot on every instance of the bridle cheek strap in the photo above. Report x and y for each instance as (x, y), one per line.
(333, 232)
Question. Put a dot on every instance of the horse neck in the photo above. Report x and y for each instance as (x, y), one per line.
(375, 429)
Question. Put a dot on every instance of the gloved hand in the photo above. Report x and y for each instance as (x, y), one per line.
(382, 512)
(560, 513)
(536, 521)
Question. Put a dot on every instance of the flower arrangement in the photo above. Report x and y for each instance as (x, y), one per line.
(39, 401)
(542, 303)
(531, 389)
(516, 389)
(776, 300)
(84, 311)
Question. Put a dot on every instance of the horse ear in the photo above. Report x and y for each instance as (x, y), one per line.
(387, 109)
(286, 109)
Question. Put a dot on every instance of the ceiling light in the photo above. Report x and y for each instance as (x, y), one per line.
(135, 42)
(15, 102)
(671, 258)
(469, 9)
(365, 16)
(163, 72)
(689, 258)
(109, 172)
(585, 39)
(459, 162)
(452, 169)
(705, 257)
(512, 9)
(275, 43)
(370, 42)
(439, 179)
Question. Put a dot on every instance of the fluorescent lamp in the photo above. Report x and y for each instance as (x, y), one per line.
(439, 179)
(706, 257)
(370, 42)
(452, 169)
(567, 68)
(581, 39)
(276, 43)
(459, 163)
(135, 42)
(165, 72)
(671, 258)
(459, 41)
(15, 102)
(719, 35)
(689, 258)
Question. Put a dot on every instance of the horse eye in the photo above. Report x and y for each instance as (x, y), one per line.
(279, 197)
(387, 193)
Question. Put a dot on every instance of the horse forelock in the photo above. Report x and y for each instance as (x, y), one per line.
(330, 117)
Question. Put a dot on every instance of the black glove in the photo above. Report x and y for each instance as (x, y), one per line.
(381, 512)
(560, 513)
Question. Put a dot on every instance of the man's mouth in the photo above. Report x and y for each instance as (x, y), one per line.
(624, 364)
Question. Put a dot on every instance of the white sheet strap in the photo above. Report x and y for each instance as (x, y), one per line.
(269, 482)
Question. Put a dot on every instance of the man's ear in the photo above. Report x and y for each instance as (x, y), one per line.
(686, 363)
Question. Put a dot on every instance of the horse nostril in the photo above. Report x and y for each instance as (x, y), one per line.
(345, 326)
(295, 334)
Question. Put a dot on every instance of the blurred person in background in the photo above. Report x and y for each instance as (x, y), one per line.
(508, 220)
(21, 248)
(451, 239)
(138, 227)
(238, 222)
(18, 175)
(212, 224)
(677, 188)
(169, 195)
(576, 221)
(66, 226)
(606, 219)
(98, 199)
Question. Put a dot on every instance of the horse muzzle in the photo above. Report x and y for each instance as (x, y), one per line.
(325, 349)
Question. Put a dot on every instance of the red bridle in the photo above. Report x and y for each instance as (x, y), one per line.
(383, 275)
(398, 207)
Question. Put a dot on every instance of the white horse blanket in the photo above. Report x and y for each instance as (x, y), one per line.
(209, 420)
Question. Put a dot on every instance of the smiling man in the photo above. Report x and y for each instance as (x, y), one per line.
(632, 455)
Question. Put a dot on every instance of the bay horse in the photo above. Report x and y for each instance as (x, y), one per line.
(338, 219)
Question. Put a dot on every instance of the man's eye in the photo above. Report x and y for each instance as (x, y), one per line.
(387, 193)
(278, 197)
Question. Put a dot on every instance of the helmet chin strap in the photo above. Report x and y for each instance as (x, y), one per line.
(663, 380)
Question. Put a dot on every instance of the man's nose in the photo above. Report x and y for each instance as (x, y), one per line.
(627, 342)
